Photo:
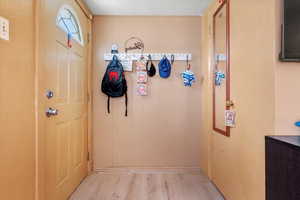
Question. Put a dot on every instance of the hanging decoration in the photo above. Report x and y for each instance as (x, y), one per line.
(134, 43)
(188, 76)
(219, 77)
(142, 77)
(230, 117)
(142, 89)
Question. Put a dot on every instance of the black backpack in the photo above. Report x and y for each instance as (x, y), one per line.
(114, 83)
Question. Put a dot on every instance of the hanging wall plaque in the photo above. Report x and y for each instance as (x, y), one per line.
(127, 64)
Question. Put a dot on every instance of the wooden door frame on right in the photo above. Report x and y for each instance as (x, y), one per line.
(227, 4)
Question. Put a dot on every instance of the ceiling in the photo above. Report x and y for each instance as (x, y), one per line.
(148, 7)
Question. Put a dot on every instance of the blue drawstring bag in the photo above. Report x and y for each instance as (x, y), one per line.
(164, 67)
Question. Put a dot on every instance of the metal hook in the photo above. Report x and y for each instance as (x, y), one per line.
(189, 67)
(172, 59)
(142, 56)
(187, 59)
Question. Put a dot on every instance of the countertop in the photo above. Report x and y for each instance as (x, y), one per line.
(292, 140)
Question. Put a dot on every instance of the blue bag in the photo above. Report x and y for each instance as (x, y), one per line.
(164, 67)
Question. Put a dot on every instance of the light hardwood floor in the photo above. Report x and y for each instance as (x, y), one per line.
(149, 185)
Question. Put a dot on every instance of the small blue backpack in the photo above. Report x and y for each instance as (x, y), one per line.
(164, 67)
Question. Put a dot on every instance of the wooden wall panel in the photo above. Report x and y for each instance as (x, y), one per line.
(163, 128)
(17, 135)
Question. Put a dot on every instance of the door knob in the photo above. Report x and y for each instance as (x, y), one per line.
(229, 103)
(51, 112)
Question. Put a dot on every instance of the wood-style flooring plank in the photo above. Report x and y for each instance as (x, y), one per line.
(150, 185)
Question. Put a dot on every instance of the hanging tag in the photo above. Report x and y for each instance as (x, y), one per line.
(142, 77)
(219, 77)
(230, 116)
(127, 64)
(69, 40)
(142, 89)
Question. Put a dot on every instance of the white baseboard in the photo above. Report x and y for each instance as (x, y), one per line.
(150, 170)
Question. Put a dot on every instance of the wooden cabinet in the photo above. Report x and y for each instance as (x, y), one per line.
(283, 168)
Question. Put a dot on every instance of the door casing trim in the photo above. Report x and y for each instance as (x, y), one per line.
(228, 93)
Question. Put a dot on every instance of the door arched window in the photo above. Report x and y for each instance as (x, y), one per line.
(67, 21)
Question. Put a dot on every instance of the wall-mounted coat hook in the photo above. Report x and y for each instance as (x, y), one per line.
(154, 56)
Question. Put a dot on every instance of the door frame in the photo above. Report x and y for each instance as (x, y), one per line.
(40, 101)
(228, 93)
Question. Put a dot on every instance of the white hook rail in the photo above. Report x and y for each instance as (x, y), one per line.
(154, 56)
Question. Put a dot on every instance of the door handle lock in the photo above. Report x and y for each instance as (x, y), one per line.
(229, 103)
(51, 112)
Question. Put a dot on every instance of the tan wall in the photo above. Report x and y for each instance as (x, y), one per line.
(236, 164)
(162, 129)
(17, 143)
(287, 83)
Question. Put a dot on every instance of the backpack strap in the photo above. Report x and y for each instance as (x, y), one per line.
(115, 58)
(126, 103)
(108, 104)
